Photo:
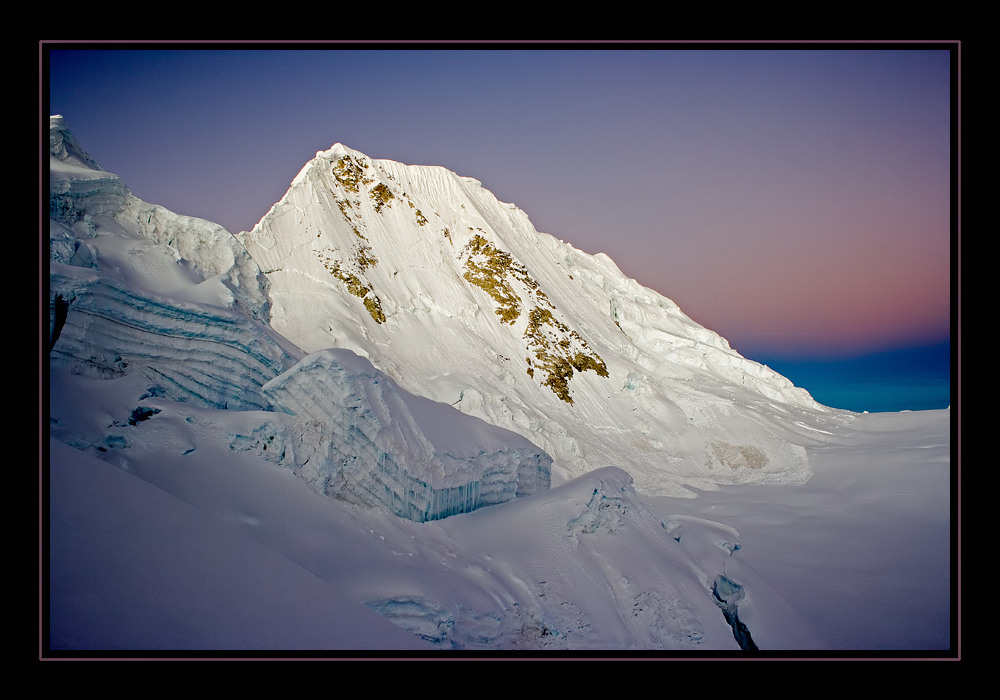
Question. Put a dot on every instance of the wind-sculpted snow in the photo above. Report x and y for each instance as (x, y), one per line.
(597, 570)
(365, 440)
(206, 355)
(457, 297)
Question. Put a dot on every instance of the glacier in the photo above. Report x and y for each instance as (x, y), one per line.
(525, 450)
(95, 221)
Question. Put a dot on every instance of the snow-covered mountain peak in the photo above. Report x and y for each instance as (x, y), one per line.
(459, 298)
(176, 309)
(335, 152)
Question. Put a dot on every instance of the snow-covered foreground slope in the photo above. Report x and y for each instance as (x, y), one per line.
(173, 539)
(860, 555)
(457, 296)
(192, 450)
(186, 543)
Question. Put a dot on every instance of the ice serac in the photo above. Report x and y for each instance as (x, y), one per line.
(134, 287)
(372, 443)
(457, 297)
(95, 221)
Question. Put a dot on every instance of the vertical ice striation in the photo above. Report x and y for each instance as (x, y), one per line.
(370, 442)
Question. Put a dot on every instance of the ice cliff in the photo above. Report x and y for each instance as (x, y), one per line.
(211, 356)
(379, 445)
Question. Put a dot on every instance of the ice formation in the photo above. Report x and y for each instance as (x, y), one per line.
(381, 446)
(189, 352)
(95, 221)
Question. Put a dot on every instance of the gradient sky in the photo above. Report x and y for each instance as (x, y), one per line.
(796, 201)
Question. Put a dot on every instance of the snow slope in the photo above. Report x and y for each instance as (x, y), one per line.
(189, 544)
(191, 445)
(167, 538)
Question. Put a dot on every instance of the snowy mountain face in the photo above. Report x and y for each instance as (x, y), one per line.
(395, 416)
(135, 289)
(456, 296)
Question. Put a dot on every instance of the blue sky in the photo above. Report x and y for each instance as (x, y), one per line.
(797, 201)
